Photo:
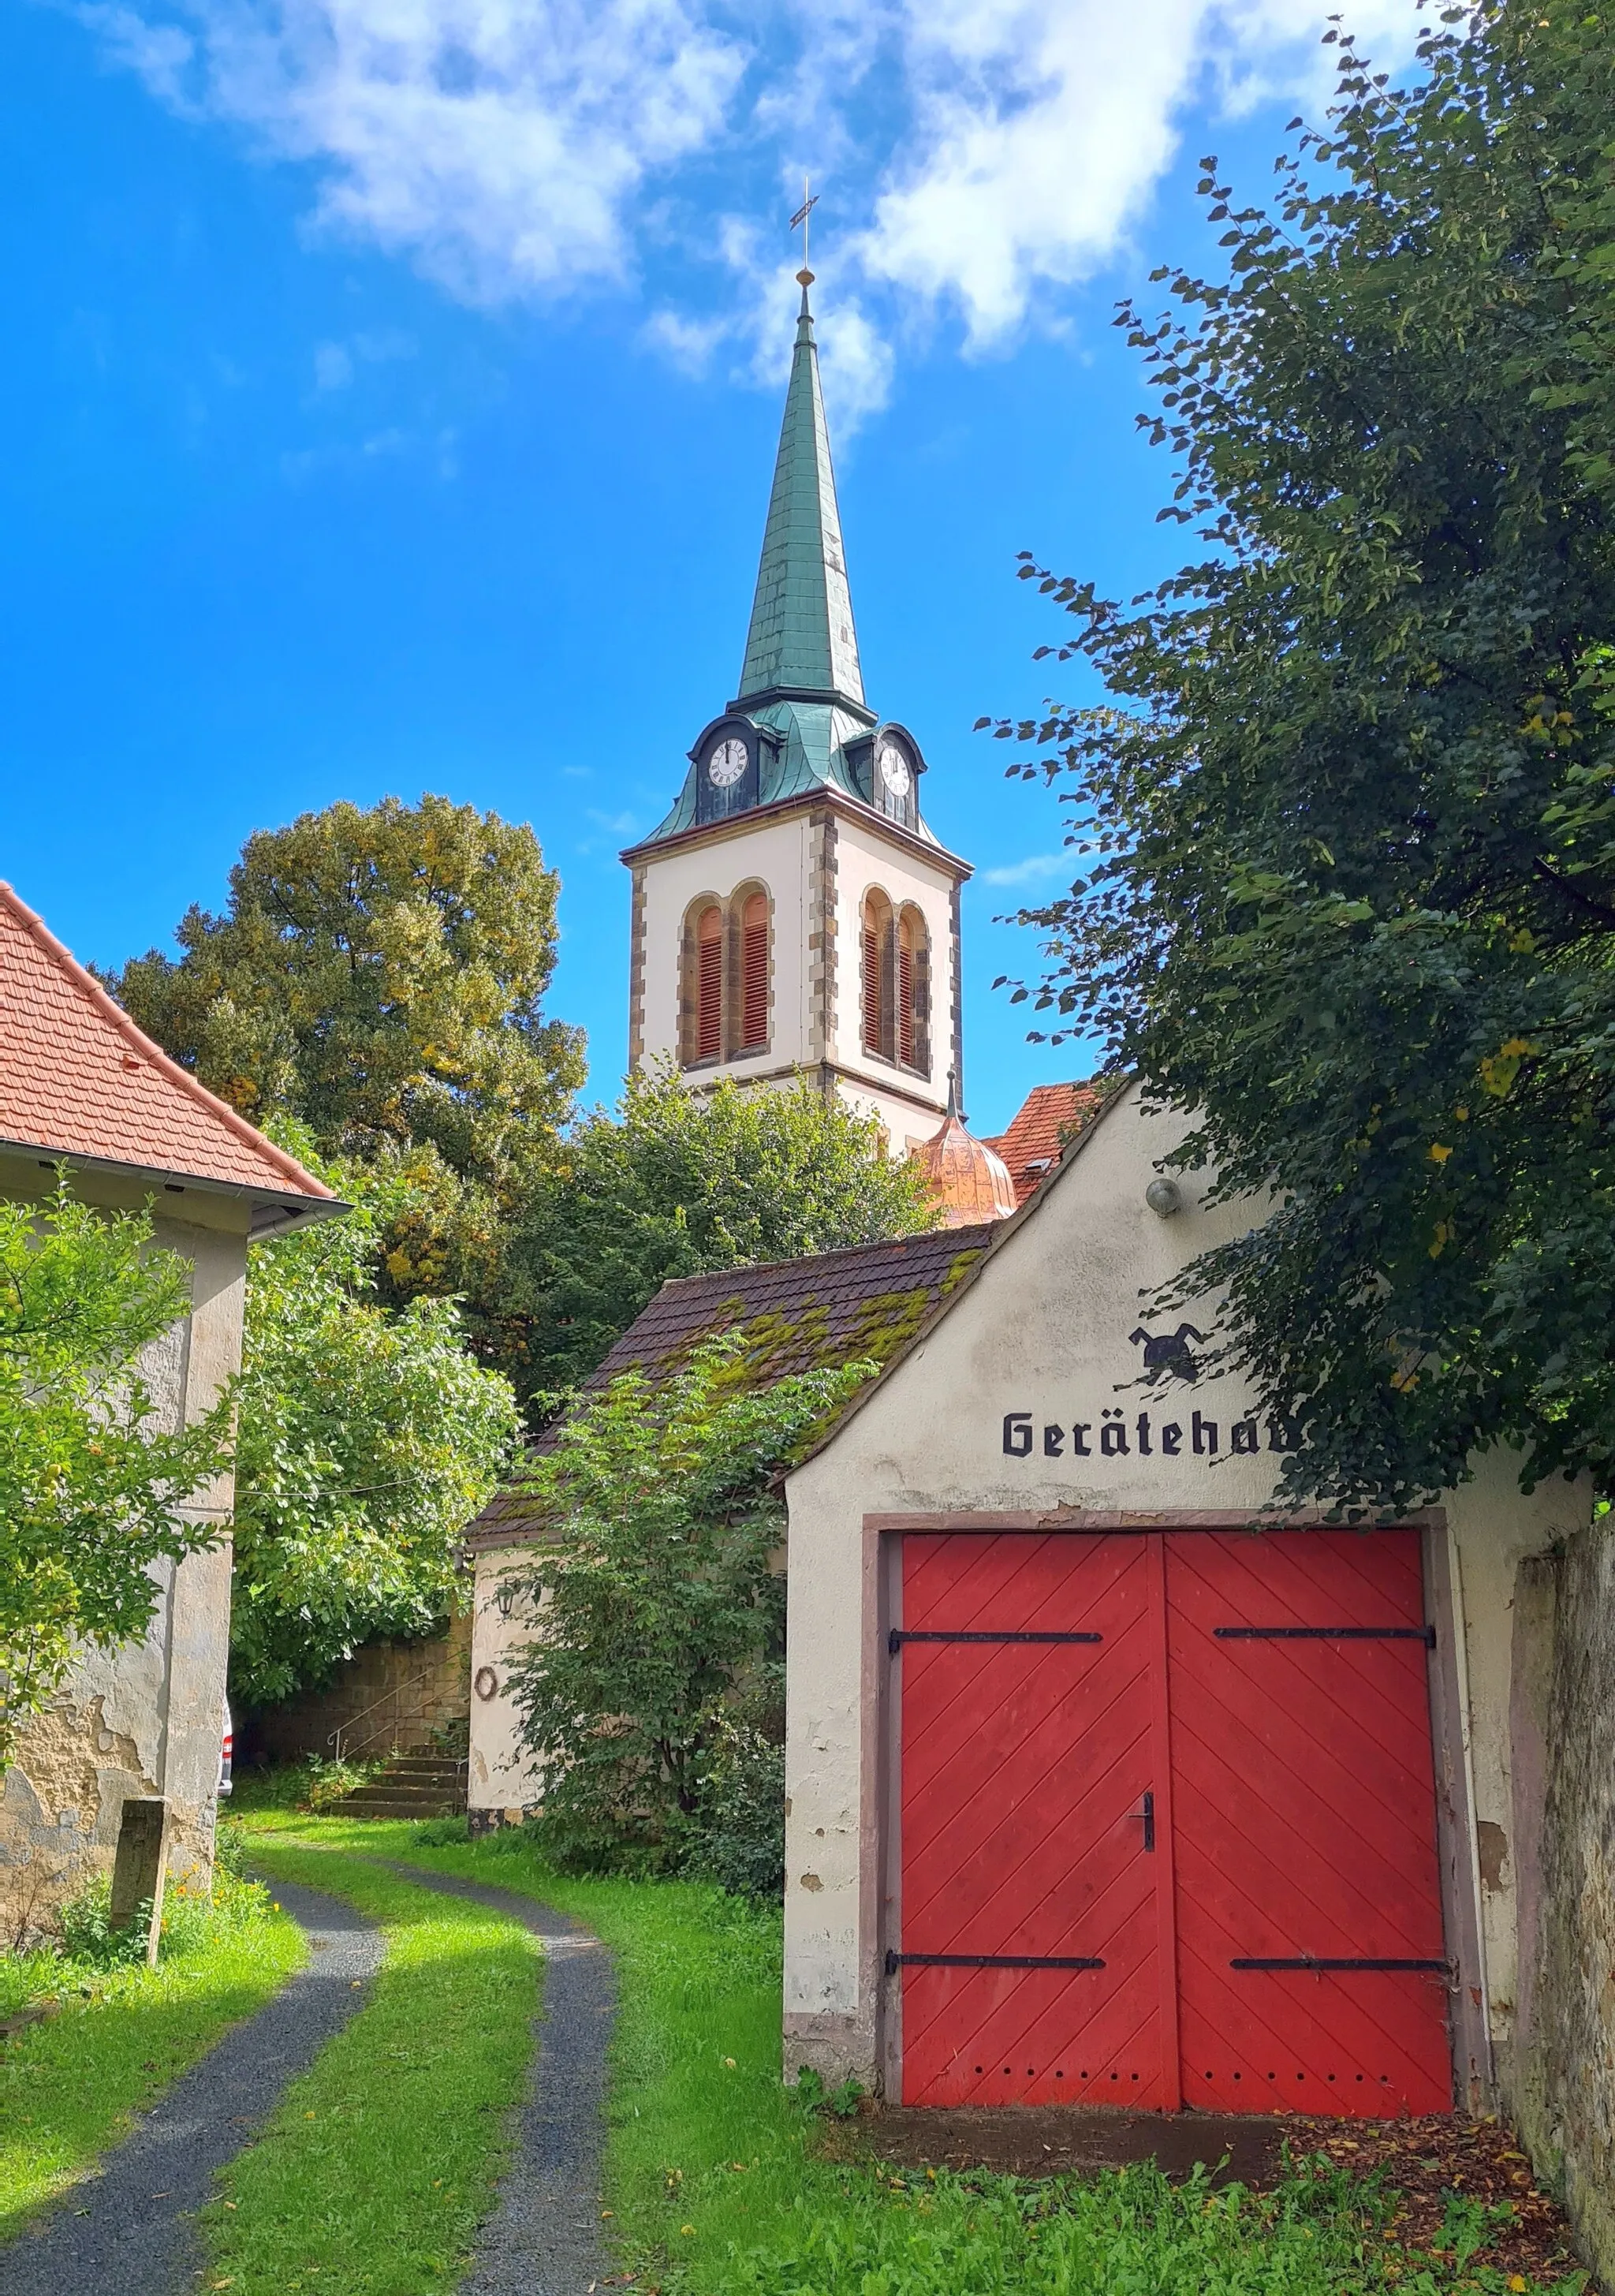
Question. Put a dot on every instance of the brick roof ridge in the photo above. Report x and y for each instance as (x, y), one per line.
(1031, 1144)
(1079, 1089)
(291, 1179)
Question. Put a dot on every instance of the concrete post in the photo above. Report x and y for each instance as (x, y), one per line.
(143, 1841)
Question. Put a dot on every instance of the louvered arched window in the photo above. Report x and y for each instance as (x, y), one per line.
(897, 983)
(878, 977)
(727, 976)
(707, 1032)
(754, 973)
(913, 991)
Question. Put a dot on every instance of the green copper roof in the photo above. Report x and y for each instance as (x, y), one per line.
(801, 636)
(801, 686)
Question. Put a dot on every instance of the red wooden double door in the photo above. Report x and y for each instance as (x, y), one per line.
(1168, 1831)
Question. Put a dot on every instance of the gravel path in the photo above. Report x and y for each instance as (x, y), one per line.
(127, 2231)
(543, 2238)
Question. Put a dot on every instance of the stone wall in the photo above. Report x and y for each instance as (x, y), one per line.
(389, 1696)
(147, 1717)
(1562, 2080)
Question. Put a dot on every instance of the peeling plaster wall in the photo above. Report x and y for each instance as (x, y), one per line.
(145, 1718)
(502, 1784)
(1562, 2075)
(1046, 1329)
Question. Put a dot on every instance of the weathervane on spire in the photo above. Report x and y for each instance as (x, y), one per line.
(811, 200)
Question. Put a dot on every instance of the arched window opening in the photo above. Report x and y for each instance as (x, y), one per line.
(754, 974)
(913, 991)
(708, 1032)
(879, 982)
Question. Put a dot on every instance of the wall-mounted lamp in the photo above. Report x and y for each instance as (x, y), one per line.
(505, 1597)
(1164, 1197)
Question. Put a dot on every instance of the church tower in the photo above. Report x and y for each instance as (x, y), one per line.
(794, 912)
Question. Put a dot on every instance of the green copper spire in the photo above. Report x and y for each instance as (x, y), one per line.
(802, 639)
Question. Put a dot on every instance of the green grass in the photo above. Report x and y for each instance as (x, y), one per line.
(376, 2169)
(695, 2084)
(70, 2086)
(718, 2184)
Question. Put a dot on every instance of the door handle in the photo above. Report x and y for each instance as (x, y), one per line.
(1148, 1815)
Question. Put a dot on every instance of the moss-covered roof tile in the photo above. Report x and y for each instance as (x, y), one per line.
(833, 1308)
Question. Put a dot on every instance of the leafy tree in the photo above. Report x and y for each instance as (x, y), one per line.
(369, 1438)
(379, 975)
(1351, 886)
(661, 1613)
(92, 1485)
(680, 1183)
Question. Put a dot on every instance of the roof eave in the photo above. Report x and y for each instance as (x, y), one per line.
(831, 697)
(271, 1210)
(303, 1186)
(823, 794)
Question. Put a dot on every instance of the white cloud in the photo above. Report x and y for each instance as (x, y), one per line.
(1037, 869)
(162, 54)
(855, 360)
(500, 143)
(1041, 126)
(757, 327)
(333, 367)
(987, 153)
(333, 363)
(687, 343)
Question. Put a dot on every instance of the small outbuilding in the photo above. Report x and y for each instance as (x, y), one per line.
(82, 1087)
(1105, 1787)
(863, 1303)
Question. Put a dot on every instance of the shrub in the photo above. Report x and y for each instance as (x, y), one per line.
(193, 1916)
(313, 1782)
(658, 1601)
(441, 1833)
(87, 1935)
(739, 1831)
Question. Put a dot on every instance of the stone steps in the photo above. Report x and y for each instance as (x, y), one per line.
(420, 1783)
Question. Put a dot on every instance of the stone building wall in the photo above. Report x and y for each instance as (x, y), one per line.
(146, 1719)
(1562, 2080)
(390, 1695)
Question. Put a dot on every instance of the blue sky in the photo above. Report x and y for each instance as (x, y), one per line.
(391, 389)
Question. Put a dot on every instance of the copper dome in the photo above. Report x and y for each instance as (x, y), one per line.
(969, 1182)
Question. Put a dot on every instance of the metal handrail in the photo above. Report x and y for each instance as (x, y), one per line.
(341, 1737)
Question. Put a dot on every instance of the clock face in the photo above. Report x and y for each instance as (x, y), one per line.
(895, 770)
(727, 764)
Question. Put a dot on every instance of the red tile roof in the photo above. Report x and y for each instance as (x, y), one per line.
(795, 1314)
(77, 1079)
(1049, 1116)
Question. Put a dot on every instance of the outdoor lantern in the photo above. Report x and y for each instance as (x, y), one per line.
(505, 1597)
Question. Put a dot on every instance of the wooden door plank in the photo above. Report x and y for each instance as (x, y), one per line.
(1304, 1823)
(1165, 1835)
(1021, 1766)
